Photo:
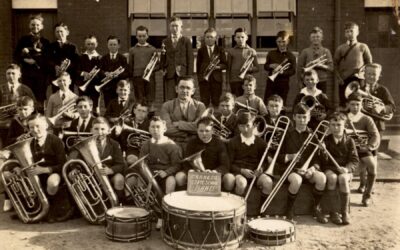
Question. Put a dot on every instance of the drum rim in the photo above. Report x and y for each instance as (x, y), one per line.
(276, 232)
(124, 207)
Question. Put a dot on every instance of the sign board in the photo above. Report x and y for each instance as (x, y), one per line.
(204, 183)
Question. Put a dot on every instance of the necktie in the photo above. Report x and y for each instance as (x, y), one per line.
(63, 97)
(174, 41)
(83, 125)
(223, 119)
(100, 146)
(209, 51)
(121, 104)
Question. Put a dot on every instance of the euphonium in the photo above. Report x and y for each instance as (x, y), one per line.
(246, 65)
(92, 74)
(90, 189)
(8, 111)
(316, 109)
(371, 105)
(313, 140)
(108, 78)
(137, 136)
(211, 67)
(67, 107)
(24, 190)
(219, 129)
(316, 62)
(196, 161)
(279, 70)
(150, 66)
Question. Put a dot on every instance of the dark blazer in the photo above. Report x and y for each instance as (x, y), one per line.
(6, 97)
(231, 123)
(74, 125)
(203, 60)
(114, 109)
(85, 64)
(181, 55)
(108, 65)
(16, 129)
(28, 41)
(117, 163)
(55, 54)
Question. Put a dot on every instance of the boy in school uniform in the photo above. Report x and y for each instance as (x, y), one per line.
(122, 105)
(274, 109)
(84, 121)
(226, 115)
(176, 59)
(249, 97)
(366, 152)
(236, 58)
(139, 57)
(108, 64)
(275, 58)
(350, 57)
(343, 150)
(211, 88)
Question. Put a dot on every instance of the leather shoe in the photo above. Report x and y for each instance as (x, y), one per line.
(345, 218)
(335, 218)
(366, 200)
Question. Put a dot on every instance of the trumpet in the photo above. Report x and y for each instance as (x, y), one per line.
(72, 138)
(90, 189)
(70, 106)
(219, 129)
(316, 109)
(8, 111)
(196, 161)
(150, 66)
(24, 190)
(137, 137)
(92, 74)
(371, 105)
(246, 65)
(280, 128)
(211, 67)
(110, 77)
(279, 69)
(316, 63)
(313, 140)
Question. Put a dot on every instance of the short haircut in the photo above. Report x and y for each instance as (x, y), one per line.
(210, 30)
(311, 72)
(245, 117)
(350, 25)
(100, 120)
(157, 118)
(240, 29)
(65, 73)
(14, 66)
(175, 19)
(337, 117)
(301, 109)
(25, 101)
(61, 24)
(142, 103)
(317, 30)
(282, 34)
(186, 78)
(354, 97)
(250, 78)
(374, 66)
(84, 99)
(227, 97)
(37, 116)
(37, 17)
(275, 98)
(123, 84)
(111, 37)
(206, 121)
(90, 36)
(142, 28)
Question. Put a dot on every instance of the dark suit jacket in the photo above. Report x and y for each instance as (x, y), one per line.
(28, 42)
(108, 65)
(117, 163)
(181, 55)
(203, 60)
(74, 125)
(231, 124)
(56, 54)
(114, 110)
(87, 65)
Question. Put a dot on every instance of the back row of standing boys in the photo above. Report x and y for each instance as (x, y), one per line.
(180, 120)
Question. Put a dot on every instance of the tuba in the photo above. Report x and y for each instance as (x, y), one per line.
(316, 109)
(24, 190)
(211, 67)
(196, 161)
(219, 129)
(110, 77)
(246, 65)
(279, 70)
(150, 66)
(90, 189)
(92, 74)
(8, 111)
(371, 105)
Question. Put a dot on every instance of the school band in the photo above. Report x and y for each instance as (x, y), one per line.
(184, 125)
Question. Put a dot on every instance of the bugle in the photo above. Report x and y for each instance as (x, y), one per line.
(313, 140)
(316, 109)
(150, 66)
(219, 129)
(92, 74)
(211, 67)
(279, 69)
(110, 77)
(246, 65)
(316, 63)
(25, 191)
(70, 106)
(281, 127)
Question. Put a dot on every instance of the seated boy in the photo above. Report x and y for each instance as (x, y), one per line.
(226, 115)
(121, 105)
(84, 122)
(249, 97)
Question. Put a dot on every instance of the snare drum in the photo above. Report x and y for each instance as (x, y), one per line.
(202, 221)
(127, 224)
(271, 231)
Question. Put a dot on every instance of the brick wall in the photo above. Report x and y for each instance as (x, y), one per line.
(5, 37)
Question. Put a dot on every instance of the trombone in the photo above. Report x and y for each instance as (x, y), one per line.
(68, 107)
(92, 74)
(316, 63)
(279, 69)
(110, 77)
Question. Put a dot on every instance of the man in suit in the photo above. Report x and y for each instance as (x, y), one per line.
(182, 113)
(84, 122)
(109, 63)
(176, 59)
(211, 88)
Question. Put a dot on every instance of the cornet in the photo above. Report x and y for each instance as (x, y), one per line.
(279, 69)
(211, 67)
(315, 63)
(64, 66)
(68, 107)
(316, 109)
(246, 66)
(219, 129)
(108, 78)
(150, 66)
(92, 74)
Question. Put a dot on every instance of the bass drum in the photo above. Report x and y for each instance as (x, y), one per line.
(127, 224)
(203, 222)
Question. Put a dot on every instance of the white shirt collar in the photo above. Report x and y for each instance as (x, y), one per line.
(80, 121)
(113, 54)
(306, 92)
(15, 85)
(248, 141)
(142, 45)
(41, 140)
(91, 55)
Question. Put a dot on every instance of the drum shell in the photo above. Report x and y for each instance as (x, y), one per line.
(273, 237)
(127, 229)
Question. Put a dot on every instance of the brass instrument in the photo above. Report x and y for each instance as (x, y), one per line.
(279, 69)
(92, 74)
(316, 109)
(313, 140)
(90, 189)
(137, 136)
(110, 77)
(315, 63)
(196, 161)
(211, 67)
(25, 191)
(246, 65)
(141, 193)
(371, 105)
(8, 111)
(240, 107)
(219, 129)
(360, 137)
(150, 66)
(281, 127)
(72, 137)
(261, 123)
(64, 66)
(70, 106)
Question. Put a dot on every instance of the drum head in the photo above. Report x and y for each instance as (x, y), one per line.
(127, 212)
(270, 225)
(225, 202)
